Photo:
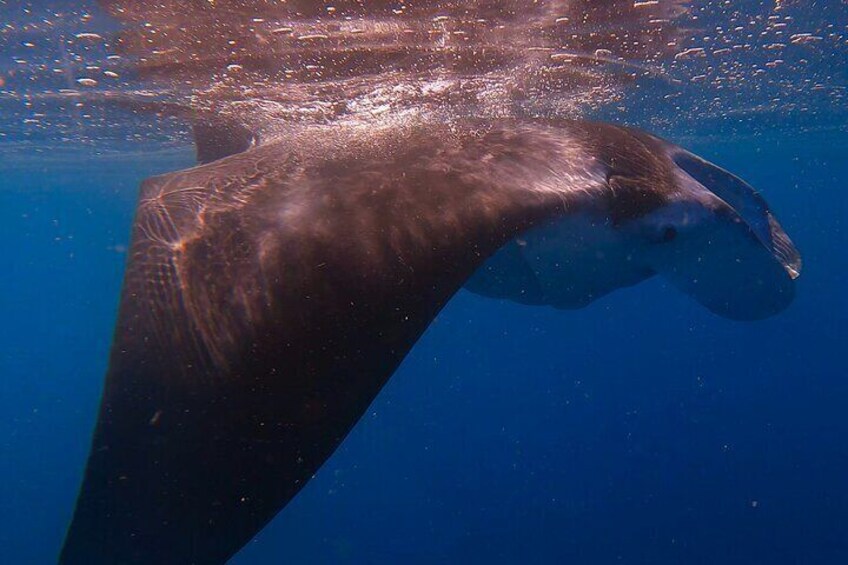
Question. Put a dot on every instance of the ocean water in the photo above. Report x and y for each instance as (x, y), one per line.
(641, 429)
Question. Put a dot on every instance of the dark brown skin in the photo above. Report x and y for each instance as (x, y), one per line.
(250, 341)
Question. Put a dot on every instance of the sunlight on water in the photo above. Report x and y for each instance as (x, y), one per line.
(120, 72)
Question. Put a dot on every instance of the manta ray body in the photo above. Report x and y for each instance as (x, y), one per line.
(273, 290)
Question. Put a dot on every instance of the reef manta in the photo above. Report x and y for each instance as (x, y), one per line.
(270, 294)
(272, 290)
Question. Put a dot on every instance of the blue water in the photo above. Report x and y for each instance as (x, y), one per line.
(639, 430)
(642, 429)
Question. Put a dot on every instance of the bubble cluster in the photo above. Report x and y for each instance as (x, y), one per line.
(127, 73)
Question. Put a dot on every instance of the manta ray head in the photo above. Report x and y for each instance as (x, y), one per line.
(668, 212)
(716, 240)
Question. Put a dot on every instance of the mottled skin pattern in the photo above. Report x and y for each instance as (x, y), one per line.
(271, 294)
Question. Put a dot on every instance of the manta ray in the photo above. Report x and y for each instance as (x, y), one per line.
(273, 289)
(271, 293)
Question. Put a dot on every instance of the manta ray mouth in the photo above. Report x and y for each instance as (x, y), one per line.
(731, 273)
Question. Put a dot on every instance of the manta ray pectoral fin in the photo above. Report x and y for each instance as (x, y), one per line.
(268, 297)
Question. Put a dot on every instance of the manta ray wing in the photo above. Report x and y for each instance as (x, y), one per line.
(268, 297)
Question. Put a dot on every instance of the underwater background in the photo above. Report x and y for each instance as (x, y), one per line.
(640, 430)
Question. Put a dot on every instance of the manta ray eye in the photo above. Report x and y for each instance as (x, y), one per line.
(669, 234)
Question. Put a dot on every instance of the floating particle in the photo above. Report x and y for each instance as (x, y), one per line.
(801, 38)
(691, 52)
